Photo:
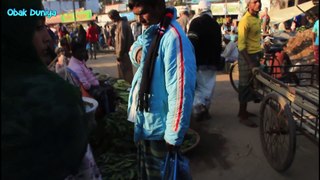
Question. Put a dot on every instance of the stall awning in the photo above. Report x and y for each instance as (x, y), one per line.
(278, 16)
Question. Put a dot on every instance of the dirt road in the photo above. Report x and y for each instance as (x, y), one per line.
(227, 149)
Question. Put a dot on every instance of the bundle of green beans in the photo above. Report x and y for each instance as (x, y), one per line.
(112, 141)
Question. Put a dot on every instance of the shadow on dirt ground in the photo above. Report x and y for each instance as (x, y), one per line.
(211, 150)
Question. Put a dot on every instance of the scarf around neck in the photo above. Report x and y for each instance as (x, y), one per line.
(147, 74)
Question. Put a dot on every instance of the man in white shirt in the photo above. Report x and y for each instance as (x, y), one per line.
(230, 53)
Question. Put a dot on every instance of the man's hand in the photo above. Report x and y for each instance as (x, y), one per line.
(171, 147)
(246, 57)
(138, 55)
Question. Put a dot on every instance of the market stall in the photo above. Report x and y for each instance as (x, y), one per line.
(282, 15)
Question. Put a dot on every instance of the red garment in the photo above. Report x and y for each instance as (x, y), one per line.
(281, 61)
(277, 63)
(92, 34)
(62, 31)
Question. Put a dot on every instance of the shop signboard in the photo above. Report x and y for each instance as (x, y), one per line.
(80, 16)
(130, 16)
(219, 9)
(118, 7)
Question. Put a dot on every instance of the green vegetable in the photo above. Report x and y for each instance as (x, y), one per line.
(112, 142)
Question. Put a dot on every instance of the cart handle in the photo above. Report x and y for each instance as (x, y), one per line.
(291, 90)
(257, 70)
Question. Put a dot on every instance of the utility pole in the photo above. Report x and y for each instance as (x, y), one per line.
(74, 13)
(60, 7)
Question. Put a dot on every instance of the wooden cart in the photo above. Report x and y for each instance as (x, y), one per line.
(288, 108)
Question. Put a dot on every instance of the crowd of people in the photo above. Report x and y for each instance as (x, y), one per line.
(44, 128)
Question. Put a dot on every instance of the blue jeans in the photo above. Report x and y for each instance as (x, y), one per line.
(93, 49)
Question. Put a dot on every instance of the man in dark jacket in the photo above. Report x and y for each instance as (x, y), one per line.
(205, 35)
(123, 42)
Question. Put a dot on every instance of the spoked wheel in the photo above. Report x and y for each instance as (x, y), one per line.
(234, 76)
(277, 132)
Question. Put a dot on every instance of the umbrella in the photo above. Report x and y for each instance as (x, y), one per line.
(278, 16)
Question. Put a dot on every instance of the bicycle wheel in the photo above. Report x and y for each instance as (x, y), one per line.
(234, 76)
(277, 132)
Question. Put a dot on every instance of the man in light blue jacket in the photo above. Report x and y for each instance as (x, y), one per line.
(161, 113)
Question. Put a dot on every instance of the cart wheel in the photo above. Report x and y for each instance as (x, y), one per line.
(234, 76)
(277, 132)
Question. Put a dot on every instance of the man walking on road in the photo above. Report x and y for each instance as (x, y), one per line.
(249, 35)
(92, 38)
(205, 35)
(123, 42)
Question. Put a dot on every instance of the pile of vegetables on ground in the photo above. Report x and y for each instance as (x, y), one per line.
(112, 140)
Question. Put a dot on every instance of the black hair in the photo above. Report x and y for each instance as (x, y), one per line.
(151, 3)
(114, 14)
(20, 34)
(76, 44)
(185, 13)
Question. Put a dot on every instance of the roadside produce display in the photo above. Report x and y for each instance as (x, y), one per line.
(112, 141)
(300, 45)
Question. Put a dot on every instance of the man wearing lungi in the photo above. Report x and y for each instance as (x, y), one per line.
(249, 57)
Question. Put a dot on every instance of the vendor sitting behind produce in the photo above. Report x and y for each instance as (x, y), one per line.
(78, 65)
(84, 77)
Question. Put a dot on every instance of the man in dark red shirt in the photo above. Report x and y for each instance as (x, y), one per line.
(92, 38)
